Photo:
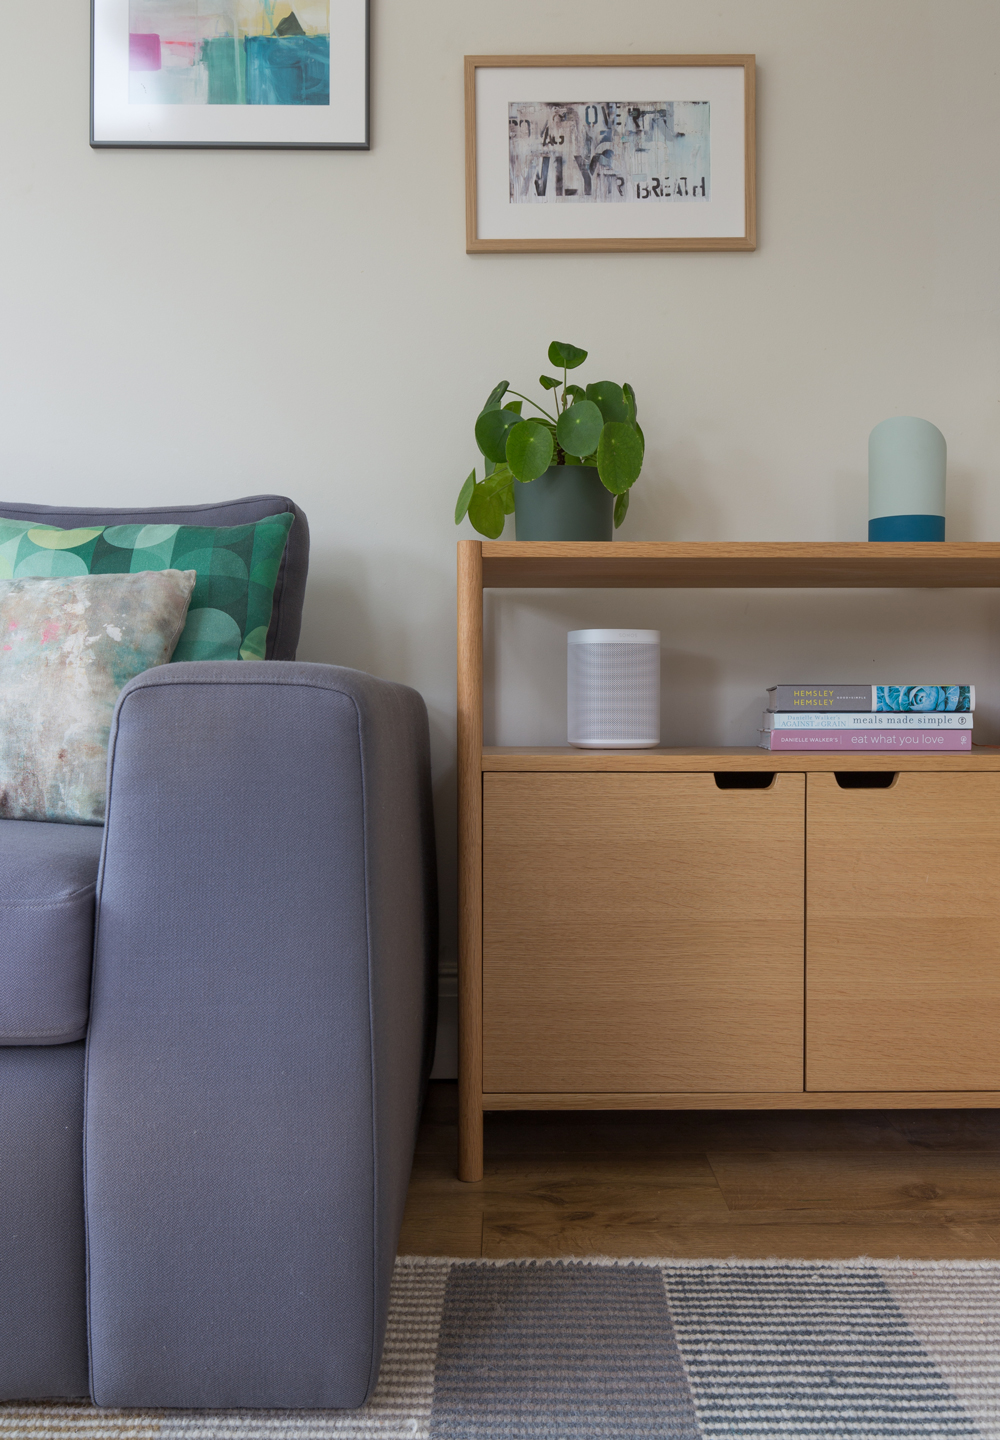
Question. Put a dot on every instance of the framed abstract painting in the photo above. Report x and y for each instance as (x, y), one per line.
(230, 73)
(617, 152)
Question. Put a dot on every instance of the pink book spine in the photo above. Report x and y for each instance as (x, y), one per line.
(870, 739)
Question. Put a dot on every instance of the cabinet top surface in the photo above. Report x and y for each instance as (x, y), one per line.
(627, 564)
(541, 758)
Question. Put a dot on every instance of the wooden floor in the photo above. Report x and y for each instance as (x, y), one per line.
(921, 1184)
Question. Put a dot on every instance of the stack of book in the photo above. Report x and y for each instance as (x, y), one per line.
(868, 717)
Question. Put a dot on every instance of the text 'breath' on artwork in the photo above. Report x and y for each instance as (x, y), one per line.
(229, 52)
(609, 152)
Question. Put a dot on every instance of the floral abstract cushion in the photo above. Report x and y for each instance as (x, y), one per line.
(237, 568)
(67, 646)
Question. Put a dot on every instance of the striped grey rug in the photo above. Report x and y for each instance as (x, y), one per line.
(624, 1350)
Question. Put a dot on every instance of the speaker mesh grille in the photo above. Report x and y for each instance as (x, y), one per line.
(613, 693)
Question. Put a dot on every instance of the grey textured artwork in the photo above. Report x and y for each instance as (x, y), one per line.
(609, 151)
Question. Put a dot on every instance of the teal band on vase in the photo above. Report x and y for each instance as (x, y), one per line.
(907, 461)
(906, 527)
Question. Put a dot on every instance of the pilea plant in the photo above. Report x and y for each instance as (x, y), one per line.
(593, 426)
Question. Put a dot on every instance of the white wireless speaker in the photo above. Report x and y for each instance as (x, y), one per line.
(613, 689)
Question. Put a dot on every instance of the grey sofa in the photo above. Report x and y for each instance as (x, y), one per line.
(200, 1200)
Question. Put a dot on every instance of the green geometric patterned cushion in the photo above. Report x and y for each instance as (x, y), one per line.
(237, 567)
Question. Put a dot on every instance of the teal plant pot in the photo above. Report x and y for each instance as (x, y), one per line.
(568, 502)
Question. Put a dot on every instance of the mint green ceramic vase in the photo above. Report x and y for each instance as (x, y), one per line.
(568, 502)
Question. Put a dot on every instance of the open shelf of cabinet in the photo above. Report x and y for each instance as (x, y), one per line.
(510, 565)
(734, 565)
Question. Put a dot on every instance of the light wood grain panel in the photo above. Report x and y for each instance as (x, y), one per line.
(436, 1225)
(512, 1235)
(642, 933)
(903, 939)
(637, 564)
(470, 861)
(568, 1181)
(470, 150)
(920, 1184)
(750, 151)
(566, 759)
(636, 245)
(742, 1100)
(544, 62)
(862, 1183)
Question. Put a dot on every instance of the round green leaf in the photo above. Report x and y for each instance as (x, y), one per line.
(547, 382)
(609, 399)
(566, 355)
(621, 508)
(579, 428)
(464, 496)
(500, 478)
(529, 450)
(619, 457)
(577, 392)
(487, 514)
(630, 401)
(493, 403)
(491, 432)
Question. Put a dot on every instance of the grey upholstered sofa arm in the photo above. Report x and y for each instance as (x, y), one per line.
(258, 1035)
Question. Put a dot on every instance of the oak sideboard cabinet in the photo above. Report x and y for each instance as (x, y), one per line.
(776, 931)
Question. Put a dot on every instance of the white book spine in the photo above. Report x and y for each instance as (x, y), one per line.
(866, 720)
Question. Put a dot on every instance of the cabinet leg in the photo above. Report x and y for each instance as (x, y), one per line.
(470, 1141)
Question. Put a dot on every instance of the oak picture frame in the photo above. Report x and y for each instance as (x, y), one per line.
(483, 234)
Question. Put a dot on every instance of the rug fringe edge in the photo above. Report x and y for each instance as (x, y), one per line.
(859, 1262)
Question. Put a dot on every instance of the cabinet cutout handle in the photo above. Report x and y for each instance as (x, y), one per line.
(865, 779)
(744, 779)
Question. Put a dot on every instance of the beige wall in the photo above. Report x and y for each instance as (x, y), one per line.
(185, 326)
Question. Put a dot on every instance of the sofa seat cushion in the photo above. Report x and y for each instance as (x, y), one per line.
(48, 875)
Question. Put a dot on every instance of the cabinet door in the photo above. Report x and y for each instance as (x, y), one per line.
(642, 933)
(903, 934)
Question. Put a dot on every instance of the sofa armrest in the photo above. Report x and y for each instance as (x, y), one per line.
(260, 1015)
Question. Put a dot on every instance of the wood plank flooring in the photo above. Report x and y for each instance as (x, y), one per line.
(920, 1184)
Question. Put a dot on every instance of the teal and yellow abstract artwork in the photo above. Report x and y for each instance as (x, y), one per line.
(229, 52)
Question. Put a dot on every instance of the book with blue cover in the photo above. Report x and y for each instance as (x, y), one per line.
(895, 699)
